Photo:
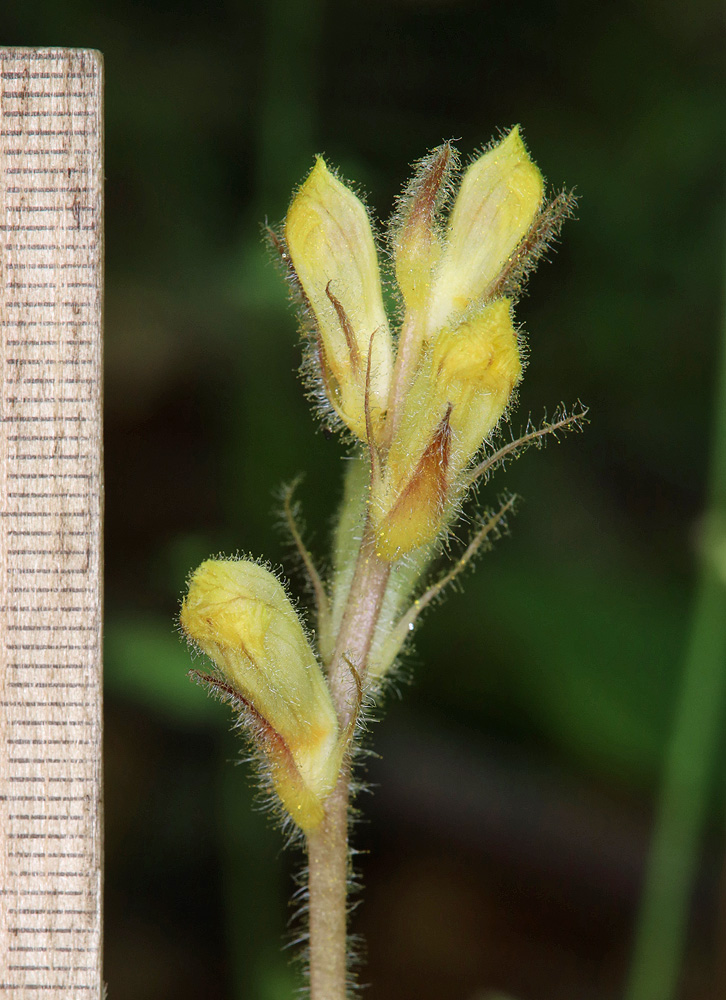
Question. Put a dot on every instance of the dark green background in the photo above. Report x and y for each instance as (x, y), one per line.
(507, 834)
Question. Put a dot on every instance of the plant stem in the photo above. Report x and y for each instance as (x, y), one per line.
(327, 888)
(682, 807)
(358, 626)
(328, 845)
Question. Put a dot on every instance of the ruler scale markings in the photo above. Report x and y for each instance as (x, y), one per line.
(50, 477)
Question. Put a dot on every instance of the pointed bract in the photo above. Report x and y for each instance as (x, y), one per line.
(417, 507)
(416, 235)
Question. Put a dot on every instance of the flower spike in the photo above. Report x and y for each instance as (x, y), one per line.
(425, 412)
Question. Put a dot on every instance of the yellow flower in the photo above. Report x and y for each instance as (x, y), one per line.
(460, 391)
(238, 614)
(499, 198)
(329, 238)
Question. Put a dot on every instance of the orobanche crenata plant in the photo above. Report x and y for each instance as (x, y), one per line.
(420, 410)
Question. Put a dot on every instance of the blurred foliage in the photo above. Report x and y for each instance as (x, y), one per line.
(568, 642)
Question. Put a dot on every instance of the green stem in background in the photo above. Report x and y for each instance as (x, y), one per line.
(661, 929)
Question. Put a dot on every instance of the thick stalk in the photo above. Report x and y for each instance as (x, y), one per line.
(328, 845)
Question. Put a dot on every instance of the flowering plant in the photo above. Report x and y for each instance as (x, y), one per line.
(420, 410)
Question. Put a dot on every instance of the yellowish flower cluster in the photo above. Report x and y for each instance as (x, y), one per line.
(426, 405)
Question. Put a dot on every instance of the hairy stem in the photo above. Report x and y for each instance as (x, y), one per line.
(328, 844)
(327, 888)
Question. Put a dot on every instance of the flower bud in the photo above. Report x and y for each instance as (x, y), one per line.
(499, 198)
(328, 234)
(238, 614)
(457, 397)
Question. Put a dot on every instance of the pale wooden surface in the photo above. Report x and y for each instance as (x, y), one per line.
(51, 306)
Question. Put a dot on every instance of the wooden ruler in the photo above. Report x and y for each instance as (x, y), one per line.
(51, 309)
